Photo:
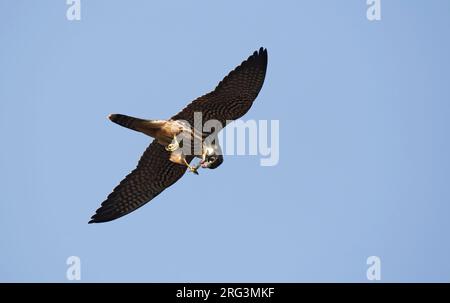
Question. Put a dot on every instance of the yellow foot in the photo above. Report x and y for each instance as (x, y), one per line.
(190, 167)
(194, 170)
(173, 146)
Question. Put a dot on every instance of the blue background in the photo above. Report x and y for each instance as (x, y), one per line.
(364, 144)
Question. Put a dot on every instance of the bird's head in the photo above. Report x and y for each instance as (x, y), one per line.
(212, 161)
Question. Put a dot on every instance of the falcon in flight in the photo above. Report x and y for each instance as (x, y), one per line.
(168, 157)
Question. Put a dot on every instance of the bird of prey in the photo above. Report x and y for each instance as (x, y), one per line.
(165, 161)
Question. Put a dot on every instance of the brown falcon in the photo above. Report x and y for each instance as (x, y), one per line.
(165, 161)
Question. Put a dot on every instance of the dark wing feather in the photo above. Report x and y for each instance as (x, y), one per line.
(153, 174)
(234, 95)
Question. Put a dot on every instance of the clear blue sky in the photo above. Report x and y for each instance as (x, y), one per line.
(364, 146)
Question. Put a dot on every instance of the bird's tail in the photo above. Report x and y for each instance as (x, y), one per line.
(148, 127)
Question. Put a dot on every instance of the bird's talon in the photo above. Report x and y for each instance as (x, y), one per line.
(193, 169)
(173, 146)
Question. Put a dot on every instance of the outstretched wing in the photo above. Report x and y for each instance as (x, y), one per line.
(234, 95)
(153, 174)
